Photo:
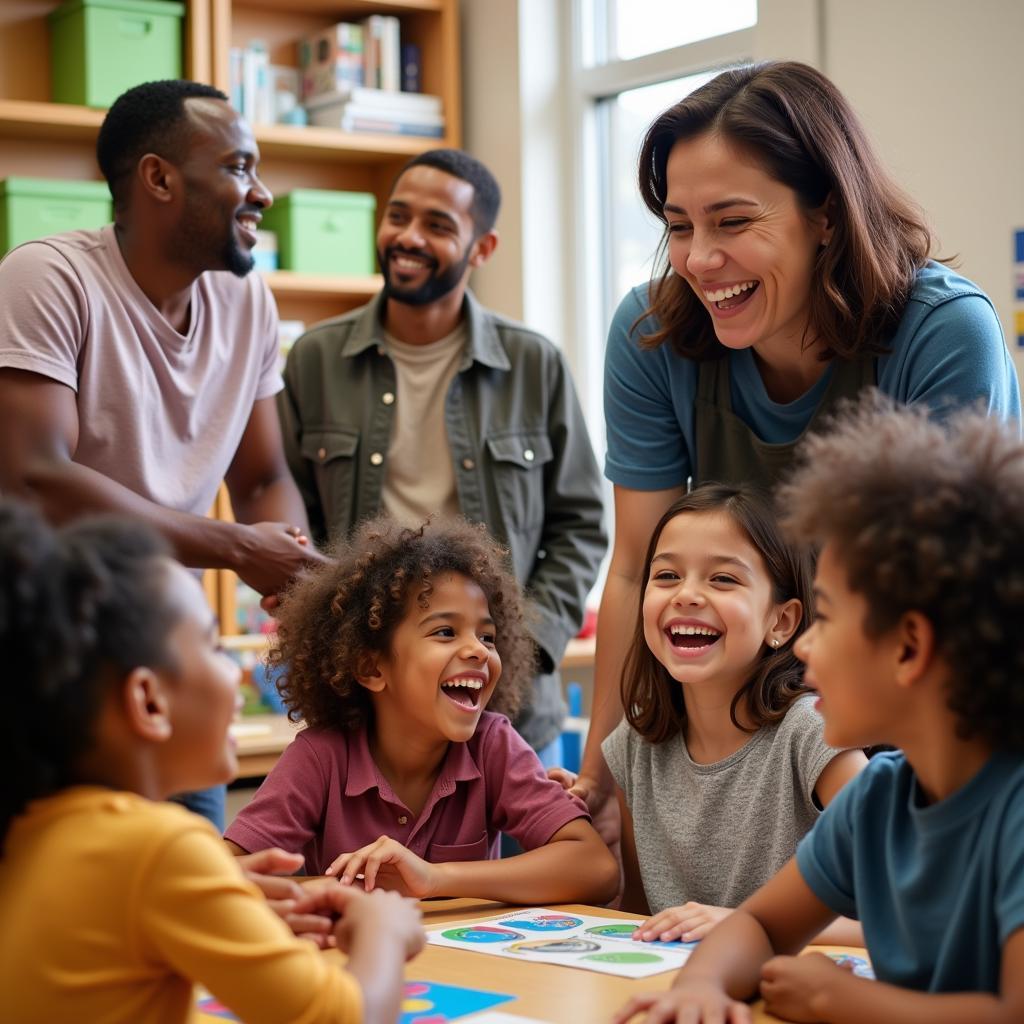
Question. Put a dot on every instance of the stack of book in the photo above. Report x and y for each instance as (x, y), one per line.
(361, 109)
(368, 53)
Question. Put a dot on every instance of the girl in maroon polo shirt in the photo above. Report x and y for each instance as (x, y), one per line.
(402, 779)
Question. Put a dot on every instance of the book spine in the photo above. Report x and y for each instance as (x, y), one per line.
(412, 68)
(390, 54)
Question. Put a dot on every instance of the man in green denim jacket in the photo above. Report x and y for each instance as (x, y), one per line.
(423, 401)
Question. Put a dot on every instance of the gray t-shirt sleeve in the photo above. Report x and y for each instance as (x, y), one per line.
(804, 730)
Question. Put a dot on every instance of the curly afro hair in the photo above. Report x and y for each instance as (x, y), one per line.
(928, 516)
(338, 613)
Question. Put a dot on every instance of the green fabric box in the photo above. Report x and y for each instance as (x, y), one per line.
(100, 48)
(324, 232)
(36, 207)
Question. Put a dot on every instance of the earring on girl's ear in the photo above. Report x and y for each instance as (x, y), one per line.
(775, 642)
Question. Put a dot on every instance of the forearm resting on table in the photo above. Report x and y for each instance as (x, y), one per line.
(853, 1000)
(574, 867)
(730, 956)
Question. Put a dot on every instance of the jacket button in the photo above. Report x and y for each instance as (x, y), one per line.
(468, 464)
(387, 398)
(321, 454)
(376, 459)
(403, 820)
(528, 455)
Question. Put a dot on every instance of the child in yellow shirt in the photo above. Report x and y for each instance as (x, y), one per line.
(115, 903)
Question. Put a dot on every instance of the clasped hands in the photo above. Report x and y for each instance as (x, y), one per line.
(313, 910)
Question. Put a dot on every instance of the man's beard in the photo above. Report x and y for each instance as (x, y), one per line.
(436, 285)
(236, 259)
(197, 245)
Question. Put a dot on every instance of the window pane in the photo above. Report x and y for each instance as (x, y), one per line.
(646, 26)
(632, 233)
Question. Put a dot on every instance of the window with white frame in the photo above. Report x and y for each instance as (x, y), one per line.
(632, 60)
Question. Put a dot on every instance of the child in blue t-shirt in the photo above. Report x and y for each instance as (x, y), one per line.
(916, 643)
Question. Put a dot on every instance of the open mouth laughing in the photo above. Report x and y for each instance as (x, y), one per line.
(731, 296)
(464, 691)
(692, 639)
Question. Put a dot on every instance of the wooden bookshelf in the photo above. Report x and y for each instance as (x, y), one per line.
(39, 138)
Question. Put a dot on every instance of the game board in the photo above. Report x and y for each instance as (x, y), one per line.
(572, 940)
(424, 1002)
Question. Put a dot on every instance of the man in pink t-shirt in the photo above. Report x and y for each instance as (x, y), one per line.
(138, 363)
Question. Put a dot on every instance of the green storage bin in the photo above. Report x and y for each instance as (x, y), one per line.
(36, 207)
(324, 232)
(100, 48)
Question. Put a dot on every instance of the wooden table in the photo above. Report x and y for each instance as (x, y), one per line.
(544, 992)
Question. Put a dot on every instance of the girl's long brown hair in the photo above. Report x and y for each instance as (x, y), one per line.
(652, 698)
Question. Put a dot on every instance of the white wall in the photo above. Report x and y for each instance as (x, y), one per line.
(937, 83)
(939, 86)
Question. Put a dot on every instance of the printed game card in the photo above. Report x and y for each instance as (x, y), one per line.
(423, 1002)
(573, 940)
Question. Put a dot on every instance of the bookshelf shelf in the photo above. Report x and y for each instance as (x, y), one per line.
(341, 10)
(288, 283)
(285, 141)
(33, 119)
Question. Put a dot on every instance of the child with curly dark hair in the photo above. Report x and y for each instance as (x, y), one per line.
(917, 643)
(116, 902)
(392, 653)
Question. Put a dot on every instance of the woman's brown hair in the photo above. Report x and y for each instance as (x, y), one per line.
(652, 698)
(350, 606)
(799, 128)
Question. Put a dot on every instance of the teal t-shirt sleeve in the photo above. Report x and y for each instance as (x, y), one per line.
(1010, 883)
(647, 449)
(952, 355)
(825, 855)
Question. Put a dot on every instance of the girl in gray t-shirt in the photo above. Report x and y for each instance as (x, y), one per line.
(720, 764)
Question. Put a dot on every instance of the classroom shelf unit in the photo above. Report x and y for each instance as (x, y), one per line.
(52, 140)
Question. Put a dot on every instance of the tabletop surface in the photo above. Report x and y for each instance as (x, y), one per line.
(544, 992)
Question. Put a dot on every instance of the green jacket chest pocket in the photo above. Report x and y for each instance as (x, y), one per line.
(517, 464)
(333, 455)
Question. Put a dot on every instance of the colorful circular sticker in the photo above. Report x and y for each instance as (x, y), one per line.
(555, 946)
(857, 964)
(613, 931)
(624, 932)
(482, 933)
(625, 958)
(547, 922)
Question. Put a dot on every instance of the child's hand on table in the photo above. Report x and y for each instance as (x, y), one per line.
(389, 864)
(690, 922)
(795, 987)
(696, 1002)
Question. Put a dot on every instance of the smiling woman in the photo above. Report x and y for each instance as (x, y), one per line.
(792, 274)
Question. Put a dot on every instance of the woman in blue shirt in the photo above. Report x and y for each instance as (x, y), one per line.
(793, 274)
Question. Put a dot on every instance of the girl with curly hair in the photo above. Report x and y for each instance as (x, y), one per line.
(720, 766)
(404, 656)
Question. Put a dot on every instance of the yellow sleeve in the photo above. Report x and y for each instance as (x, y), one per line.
(197, 913)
